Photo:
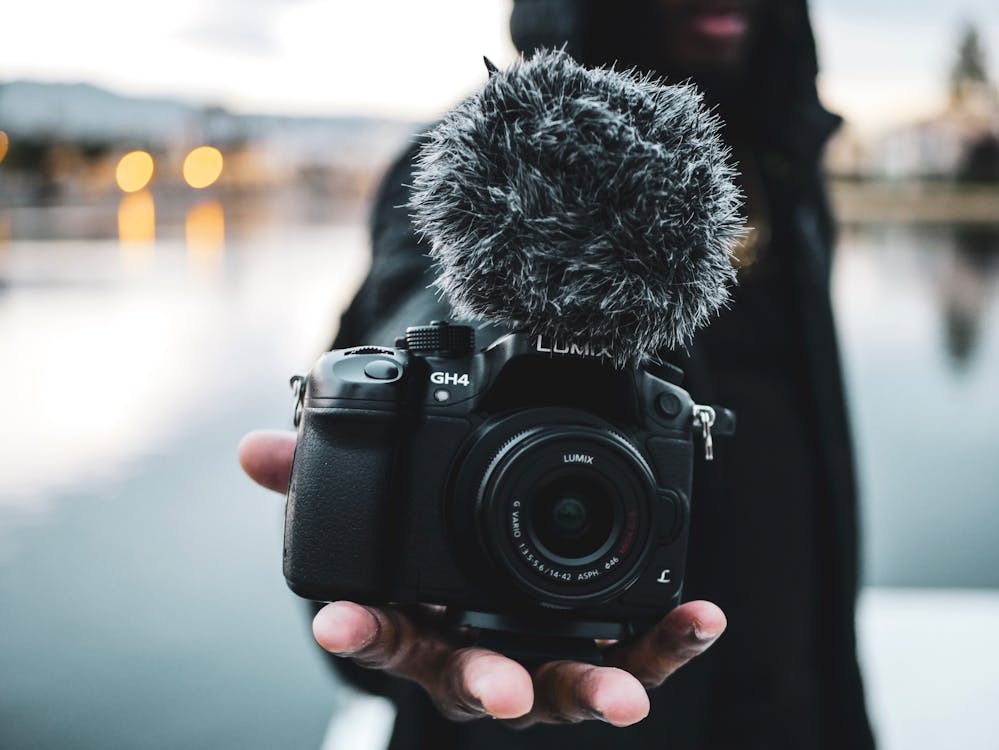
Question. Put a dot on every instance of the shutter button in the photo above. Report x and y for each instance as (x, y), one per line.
(382, 369)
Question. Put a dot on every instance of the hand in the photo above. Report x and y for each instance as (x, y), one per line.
(469, 682)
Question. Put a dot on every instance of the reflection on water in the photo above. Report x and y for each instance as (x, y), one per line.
(918, 313)
(137, 219)
(145, 570)
(116, 341)
(204, 230)
(968, 286)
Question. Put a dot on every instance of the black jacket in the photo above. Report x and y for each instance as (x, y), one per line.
(774, 532)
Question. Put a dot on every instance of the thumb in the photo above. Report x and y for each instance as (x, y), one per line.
(266, 455)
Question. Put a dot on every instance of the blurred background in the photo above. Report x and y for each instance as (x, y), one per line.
(183, 189)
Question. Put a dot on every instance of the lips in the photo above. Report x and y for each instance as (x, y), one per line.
(719, 21)
(721, 25)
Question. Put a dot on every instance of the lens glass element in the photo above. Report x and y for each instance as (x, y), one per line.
(573, 518)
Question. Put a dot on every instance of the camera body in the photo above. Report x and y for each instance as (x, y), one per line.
(530, 487)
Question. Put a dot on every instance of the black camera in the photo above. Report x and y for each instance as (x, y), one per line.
(531, 487)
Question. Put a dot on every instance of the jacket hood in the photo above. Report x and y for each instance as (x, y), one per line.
(774, 100)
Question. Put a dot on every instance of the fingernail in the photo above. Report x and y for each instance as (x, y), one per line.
(335, 629)
(704, 635)
(478, 687)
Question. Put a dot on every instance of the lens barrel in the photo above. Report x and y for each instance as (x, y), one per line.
(566, 511)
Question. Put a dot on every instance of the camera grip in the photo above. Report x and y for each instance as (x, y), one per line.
(337, 526)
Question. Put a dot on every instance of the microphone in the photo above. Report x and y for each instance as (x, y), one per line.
(581, 204)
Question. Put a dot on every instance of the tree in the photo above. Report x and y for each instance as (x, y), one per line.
(969, 68)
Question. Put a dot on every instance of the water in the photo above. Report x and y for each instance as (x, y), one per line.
(918, 310)
(140, 587)
(140, 572)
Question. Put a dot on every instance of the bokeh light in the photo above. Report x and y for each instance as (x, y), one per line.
(4, 145)
(202, 166)
(136, 219)
(134, 171)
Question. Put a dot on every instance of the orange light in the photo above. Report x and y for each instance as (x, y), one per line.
(134, 171)
(205, 233)
(4, 145)
(137, 219)
(202, 166)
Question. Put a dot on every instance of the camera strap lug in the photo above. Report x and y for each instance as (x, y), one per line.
(704, 418)
(297, 383)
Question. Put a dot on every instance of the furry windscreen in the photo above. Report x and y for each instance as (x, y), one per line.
(583, 204)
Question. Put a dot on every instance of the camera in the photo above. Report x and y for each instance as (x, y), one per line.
(531, 487)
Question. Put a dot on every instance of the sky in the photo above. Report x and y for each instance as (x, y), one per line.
(884, 62)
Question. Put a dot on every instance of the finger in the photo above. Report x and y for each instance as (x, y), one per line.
(571, 691)
(476, 681)
(465, 683)
(265, 456)
(377, 637)
(686, 632)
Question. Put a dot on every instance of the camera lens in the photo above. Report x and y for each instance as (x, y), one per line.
(571, 518)
(565, 511)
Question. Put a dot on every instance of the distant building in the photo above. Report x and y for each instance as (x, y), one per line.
(960, 142)
(66, 138)
(942, 146)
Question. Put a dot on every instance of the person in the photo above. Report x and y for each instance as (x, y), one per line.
(773, 534)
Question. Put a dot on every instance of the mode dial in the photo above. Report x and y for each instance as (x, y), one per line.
(442, 338)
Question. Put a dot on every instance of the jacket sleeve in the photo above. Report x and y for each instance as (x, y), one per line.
(400, 267)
